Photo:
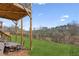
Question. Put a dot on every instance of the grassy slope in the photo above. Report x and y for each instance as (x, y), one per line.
(45, 48)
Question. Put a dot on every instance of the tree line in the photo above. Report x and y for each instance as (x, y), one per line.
(63, 34)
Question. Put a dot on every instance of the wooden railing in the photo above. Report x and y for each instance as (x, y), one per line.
(5, 36)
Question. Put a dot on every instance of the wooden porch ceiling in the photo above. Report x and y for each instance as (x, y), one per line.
(14, 11)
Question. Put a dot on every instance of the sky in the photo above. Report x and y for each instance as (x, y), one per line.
(49, 15)
(52, 15)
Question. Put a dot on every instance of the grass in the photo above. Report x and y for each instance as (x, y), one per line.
(45, 48)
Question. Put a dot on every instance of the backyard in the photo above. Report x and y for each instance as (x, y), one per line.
(46, 48)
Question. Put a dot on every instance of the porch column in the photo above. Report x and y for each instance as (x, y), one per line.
(22, 40)
(30, 32)
(16, 30)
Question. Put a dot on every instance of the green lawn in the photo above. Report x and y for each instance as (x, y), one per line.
(45, 48)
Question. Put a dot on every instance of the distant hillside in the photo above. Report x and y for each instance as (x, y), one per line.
(63, 34)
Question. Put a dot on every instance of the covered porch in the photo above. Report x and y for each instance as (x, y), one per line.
(15, 12)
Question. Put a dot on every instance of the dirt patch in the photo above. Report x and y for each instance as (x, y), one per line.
(18, 53)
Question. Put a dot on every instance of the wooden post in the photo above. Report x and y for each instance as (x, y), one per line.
(31, 28)
(1, 25)
(16, 29)
(30, 32)
(22, 40)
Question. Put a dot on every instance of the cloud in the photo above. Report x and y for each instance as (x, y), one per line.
(41, 3)
(64, 17)
(40, 14)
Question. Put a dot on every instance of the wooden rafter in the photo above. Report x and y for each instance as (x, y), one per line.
(12, 12)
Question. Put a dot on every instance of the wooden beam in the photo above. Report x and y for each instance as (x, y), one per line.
(13, 12)
(22, 6)
(16, 29)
